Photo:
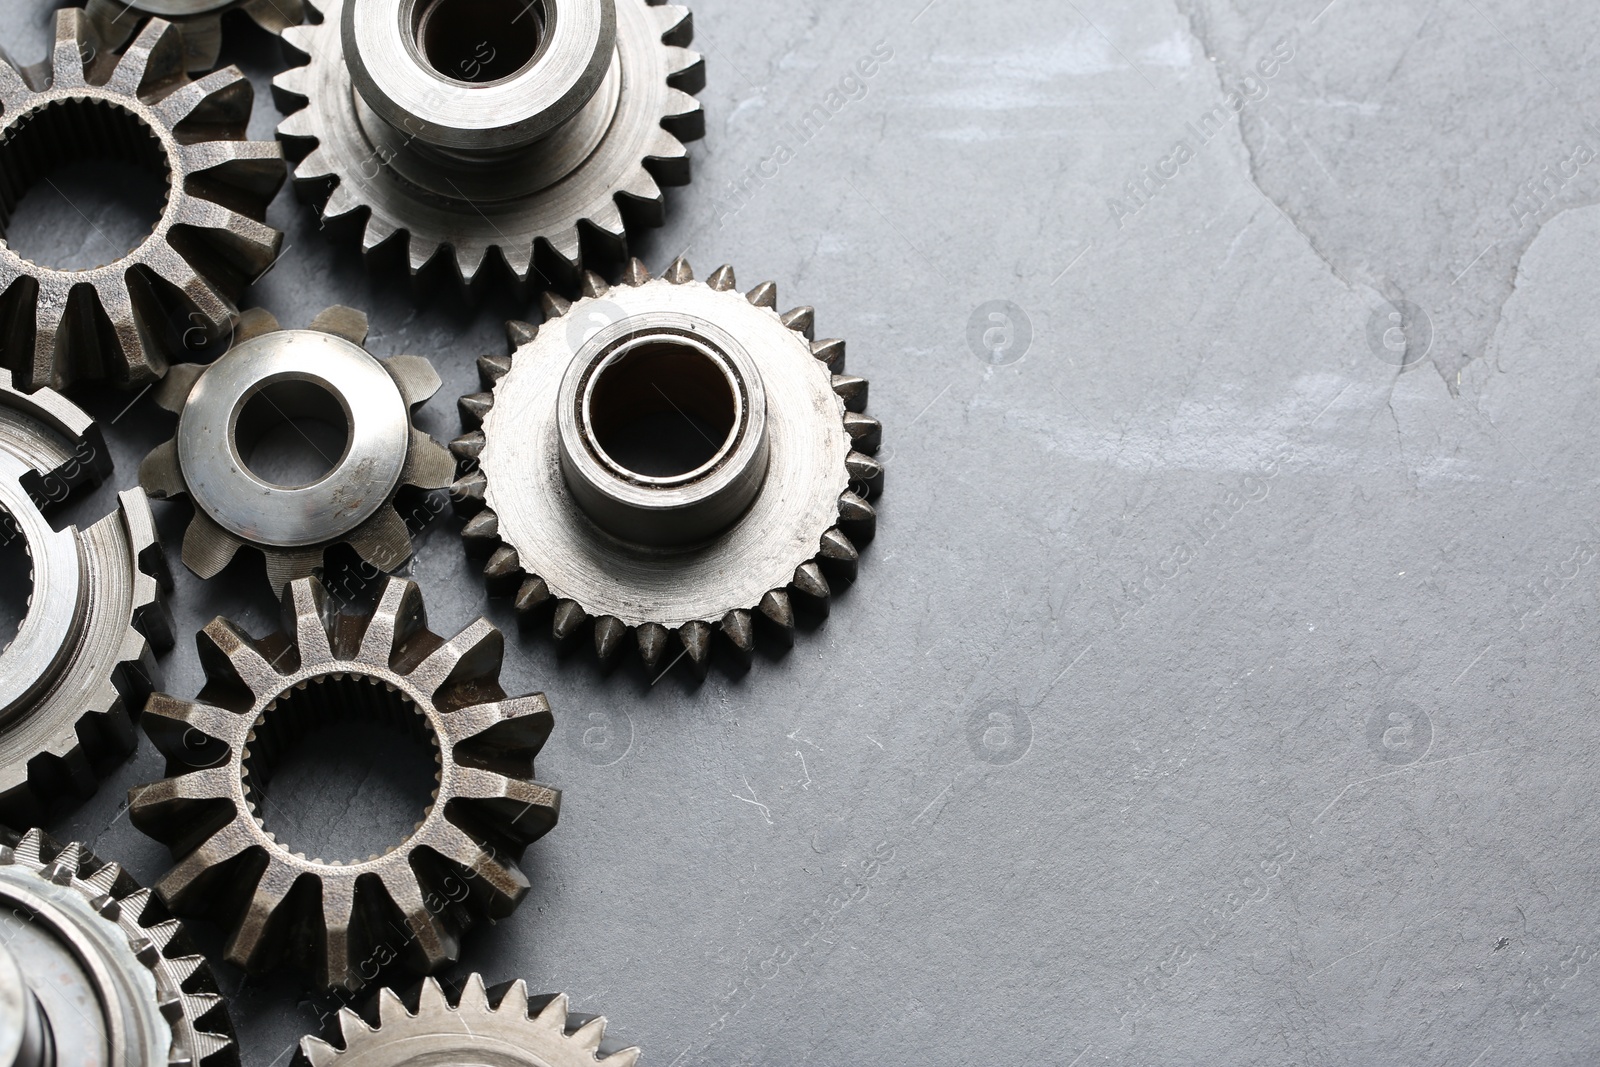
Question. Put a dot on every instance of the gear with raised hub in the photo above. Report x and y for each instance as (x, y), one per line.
(585, 511)
(82, 660)
(518, 131)
(273, 376)
(336, 920)
(489, 1027)
(200, 21)
(125, 320)
(94, 972)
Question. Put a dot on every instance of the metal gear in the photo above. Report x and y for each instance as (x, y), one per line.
(488, 1027)
(272, 375)
(200, 22)
(94, 972)
(114, 322)
(334, 919)
(779, 496)
(449, 130)
(82, 660)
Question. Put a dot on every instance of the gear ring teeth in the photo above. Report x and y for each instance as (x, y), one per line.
(116, 21)
(493, 476)
(259, 696)
(385, 454)
(116, 322)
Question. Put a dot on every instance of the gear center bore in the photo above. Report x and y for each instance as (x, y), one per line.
(337, 768)
(478, 42)
(57, 208)
(16, 578)
(292, 433)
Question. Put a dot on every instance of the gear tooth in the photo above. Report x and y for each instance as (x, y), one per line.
(554, 305)
(740, 629)
(686, 69)
(467, 492)
(503, 572)
(627, 1057)
(635, 273)
(808, 581)
(318, 1053)
(515, 999)
(482, 533)
(569, 617)
(776, 609)
(696, 638)
(802, 320)
(866, 474)
(852, 390)
(676, 23)
(839, 554)
(431, 998)
(764, 295)
(65, 866)
(831, 352)
(857, 516)
(305, 613)
(722, 279)
(29, 850)
(594, 287)
(553, 1017)
(474, 995)
(468, 447)
(474, 408)
(680, 273)
(608, 634)
(531, 595)
(341, 321)
(105, 879)
(866, 432)
(652, 638)
(590, 1034)
(606, 219)
(519, 333)
(353, 1026)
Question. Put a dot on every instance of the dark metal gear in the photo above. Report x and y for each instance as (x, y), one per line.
(200, 21)
(124, 321)
(94, 972)
(336, 920)
(777, 502)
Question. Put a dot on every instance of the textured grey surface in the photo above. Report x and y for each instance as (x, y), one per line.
(1216, 690)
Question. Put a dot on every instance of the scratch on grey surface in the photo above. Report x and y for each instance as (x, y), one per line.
(804, 769)
(1374, 941)
(932, 802)
(1403, 770)
(766, 812)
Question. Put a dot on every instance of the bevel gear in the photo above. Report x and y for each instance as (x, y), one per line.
(82, 660)
(735, 533)
(80, 938)
(337, 920)
(487, 1027)
(124, 320)
(272, 375)
(200, 21)
(518, 131)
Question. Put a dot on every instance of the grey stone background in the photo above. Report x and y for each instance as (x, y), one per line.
(1220, 687)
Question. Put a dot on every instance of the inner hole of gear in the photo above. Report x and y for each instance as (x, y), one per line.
(291, 433)
(64, 989)
(82, 184)
(344, 768)
(479, 41)
(16, 578)
(662, 410)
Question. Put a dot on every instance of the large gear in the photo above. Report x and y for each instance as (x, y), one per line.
(336, 920)
(779, 499)
(200, 21)
(82, 661)
(485, 1027)
(272, 375)
(124, 321)
(94, 972)
(449, 130)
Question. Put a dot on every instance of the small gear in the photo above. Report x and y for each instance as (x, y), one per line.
(79, 936)
(115, 322)
(714, 540)
(487, 1027)
(489, 133)
(200, 21)
(272, 375)
(336, 919)
(82, 661)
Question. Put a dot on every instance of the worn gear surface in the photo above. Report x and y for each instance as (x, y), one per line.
(323, 372)
(82, 661)
(200, 21)
(77, 934)
(529, 213)
(124, 321)
(336, 920)
(803, 513)
(485, 1027)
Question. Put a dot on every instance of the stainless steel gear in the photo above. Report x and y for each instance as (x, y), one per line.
(82, 660)
(94, 972)
(732, 534)
(337, 919)
(474, 131)
(485, 1027)
(270, 376)
(124, 321)
(200, 21)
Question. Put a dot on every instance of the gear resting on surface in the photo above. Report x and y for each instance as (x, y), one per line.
(78, 934)
(124, 321)
(484, 1027)
(734, 533)
(492, 131)
(200, 21)
(271, 376)
(339, 920)
(82, 662)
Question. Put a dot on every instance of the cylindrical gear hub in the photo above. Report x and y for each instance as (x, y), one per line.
(494, 134)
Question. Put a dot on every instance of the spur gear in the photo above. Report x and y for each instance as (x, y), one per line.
(577, 521)
(94, 972)
(200, 21)
(270, 376)
(82, 660)
(467, 131)
(338, 920)
(489, 1027)
(123, 321)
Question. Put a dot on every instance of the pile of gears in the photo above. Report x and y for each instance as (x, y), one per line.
(508, 143)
